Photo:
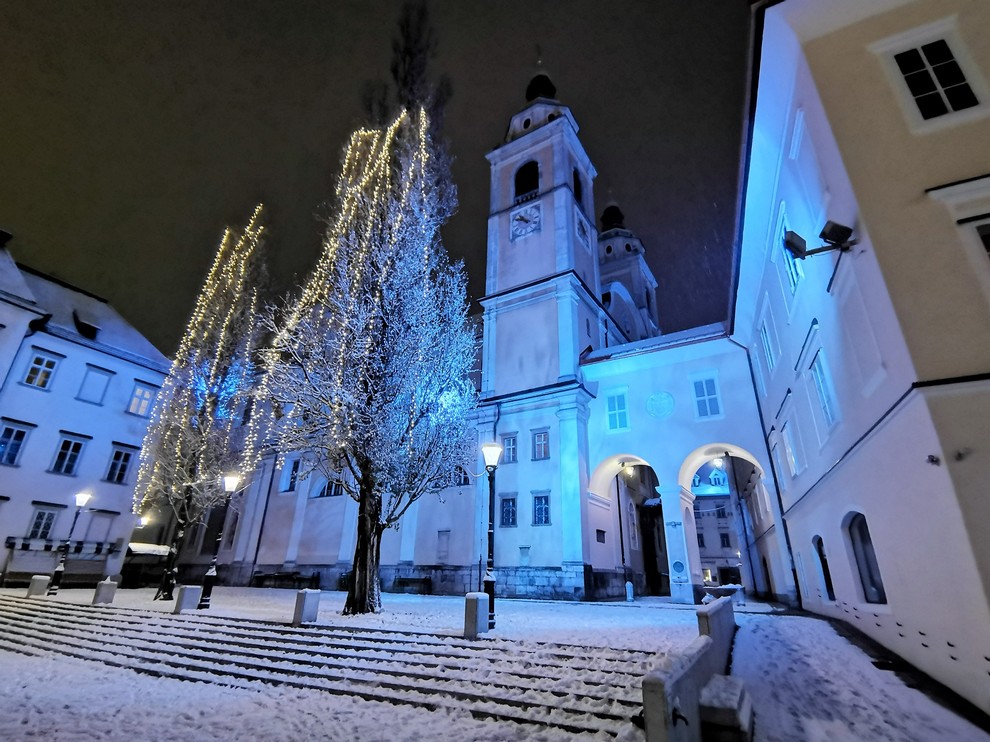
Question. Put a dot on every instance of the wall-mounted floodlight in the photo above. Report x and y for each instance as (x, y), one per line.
(836, 236)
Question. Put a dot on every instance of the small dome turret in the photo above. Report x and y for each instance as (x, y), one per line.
(541, 86)
(612, 218)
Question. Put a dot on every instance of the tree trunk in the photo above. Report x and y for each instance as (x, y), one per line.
(364, 593)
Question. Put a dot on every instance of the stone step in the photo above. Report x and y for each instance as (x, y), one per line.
(493, 680)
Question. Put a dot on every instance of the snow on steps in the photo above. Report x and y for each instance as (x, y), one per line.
(581, 690)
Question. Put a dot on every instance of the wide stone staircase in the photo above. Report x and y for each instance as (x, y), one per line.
(542, 686)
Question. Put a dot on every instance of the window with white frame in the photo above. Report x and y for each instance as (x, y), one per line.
(509, 449)
(541, 445)
(701, 540)
(67, 456)
(706, 398)
(723, 539)
(541, 510)
(936, 82)
(41, 369)
(507, 512)
(142, 399)
(866, 560)
(120, 463)
(12, 437)
(792, 266)
(42, 522)
(461, 477)
(769, 355)
(790, 449)
(94, 384)
(823, 388)
(618, 417)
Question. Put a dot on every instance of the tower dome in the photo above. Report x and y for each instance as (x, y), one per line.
(612, 218)
(541, 86)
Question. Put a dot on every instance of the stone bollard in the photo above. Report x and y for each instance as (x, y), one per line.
(188, 598)
(38, 586)
(475, 615)
(307, 607)
(104, 592)
(629, 592)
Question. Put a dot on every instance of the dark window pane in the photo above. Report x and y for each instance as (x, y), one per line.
(984, 232)
(909, 61)
(931, 106)
(960, 97)
(920, 83)
(949, 74)
(937, 52)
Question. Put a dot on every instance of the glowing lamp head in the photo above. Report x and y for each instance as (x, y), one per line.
(718, 462)
(492, 453)
(231, 482)
(82, 498)
(144, 520)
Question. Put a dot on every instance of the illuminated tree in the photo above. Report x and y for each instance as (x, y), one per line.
(368, 373)
(195, 436)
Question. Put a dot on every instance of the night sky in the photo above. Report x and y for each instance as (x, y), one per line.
(132, 132)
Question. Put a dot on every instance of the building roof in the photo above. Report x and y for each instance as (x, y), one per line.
(82, 317)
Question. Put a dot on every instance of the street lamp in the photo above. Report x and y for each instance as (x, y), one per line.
(81, 499)
(492, 452)
(231, 482)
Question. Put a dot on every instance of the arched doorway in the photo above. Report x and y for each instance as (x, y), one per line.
(625, 528)
(731, 504)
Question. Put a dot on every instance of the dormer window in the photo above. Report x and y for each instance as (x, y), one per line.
(527, 182)
(85, 325)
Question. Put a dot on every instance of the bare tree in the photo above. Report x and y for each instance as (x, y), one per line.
(194, 435)
(368, 373)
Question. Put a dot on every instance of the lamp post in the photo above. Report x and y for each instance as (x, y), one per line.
(81, 499)
(231, 482)
(492, 452)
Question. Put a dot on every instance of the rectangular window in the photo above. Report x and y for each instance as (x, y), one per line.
(600, 535)
(618, 418)
(768, 353)
(41, 524)
(67, 456)
(720, 511)
(706, 398)
(120, 464)
(94, 385)
(701, 540)
(983, 232)
(723, 539)
(507, 512)
(935, 80)
(541, 445)
(819, 372)
(790, 449)
(509, 451)
(633, 527)
(11, 441)
(142, 398)
(443, 546)
(290, 475)
(791, 265)
(41, 370)
(541, 510)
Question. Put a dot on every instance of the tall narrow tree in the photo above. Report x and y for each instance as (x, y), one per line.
(370, 366)
(194, 436)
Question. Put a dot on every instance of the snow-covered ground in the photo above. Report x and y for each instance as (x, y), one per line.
(807, 682)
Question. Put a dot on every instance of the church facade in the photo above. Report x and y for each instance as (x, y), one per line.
(826, 446)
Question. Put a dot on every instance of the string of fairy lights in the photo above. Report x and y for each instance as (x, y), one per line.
(171, 456)
(369, 222)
